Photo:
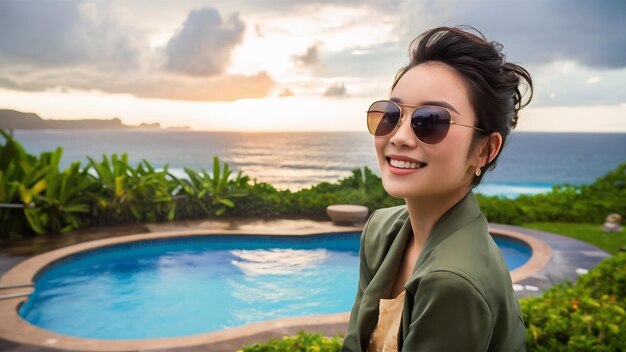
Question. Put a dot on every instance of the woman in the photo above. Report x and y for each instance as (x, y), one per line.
(431, 277)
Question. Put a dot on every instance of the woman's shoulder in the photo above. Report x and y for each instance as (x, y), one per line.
(471, 254)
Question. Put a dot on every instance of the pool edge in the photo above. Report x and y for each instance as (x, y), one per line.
(19, 330)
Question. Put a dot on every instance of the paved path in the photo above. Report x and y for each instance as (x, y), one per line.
(570, 258)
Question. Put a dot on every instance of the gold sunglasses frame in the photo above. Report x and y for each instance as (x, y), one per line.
(415, 107)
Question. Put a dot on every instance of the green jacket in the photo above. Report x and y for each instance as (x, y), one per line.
(459, 297)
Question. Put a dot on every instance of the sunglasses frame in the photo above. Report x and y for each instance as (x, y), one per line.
(415, 107)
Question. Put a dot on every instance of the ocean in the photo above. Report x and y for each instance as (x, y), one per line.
(530, 163)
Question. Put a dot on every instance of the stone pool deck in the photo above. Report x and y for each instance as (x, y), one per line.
(569, 259)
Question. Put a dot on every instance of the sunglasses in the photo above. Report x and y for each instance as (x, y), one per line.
(430, 123)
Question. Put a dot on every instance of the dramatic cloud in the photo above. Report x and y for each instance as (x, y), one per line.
(98, 46)
(590, 33)
(61, 33)
(243, 49)
(203, 46)
(336, 91)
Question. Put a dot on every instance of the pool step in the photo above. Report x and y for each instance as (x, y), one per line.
(15, 295)
(15, 286)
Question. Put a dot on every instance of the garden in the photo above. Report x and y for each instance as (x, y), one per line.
(38, 198)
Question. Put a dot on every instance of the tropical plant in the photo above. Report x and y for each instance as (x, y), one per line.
(213, 193)
(142, 192)
(14, 164)
(60, 207)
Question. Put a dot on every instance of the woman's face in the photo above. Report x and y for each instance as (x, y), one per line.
(448, 169)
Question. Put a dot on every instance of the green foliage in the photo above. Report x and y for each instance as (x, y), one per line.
(112, 191)
(223, 189)
(212, 194)
(564, 203)
(52, 201)
(21, 177)
(302, 342)
(500, 209)
(131, 194)
(607, 278)
(589, 315)
(60, 207)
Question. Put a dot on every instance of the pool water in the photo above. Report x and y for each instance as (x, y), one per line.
(192, 285)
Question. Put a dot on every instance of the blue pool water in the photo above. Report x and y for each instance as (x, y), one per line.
(185, 286)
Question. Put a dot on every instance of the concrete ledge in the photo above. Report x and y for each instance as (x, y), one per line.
(347, 213)
(541, 253)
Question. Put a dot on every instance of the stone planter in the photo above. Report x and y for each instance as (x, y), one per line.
(347, 214)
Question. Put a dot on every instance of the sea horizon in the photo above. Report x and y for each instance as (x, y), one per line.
(531, 162)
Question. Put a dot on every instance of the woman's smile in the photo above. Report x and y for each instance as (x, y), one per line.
(404, 167)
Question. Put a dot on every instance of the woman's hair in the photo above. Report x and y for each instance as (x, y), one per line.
(492, 82)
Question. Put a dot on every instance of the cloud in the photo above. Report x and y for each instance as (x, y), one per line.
(62, 45)
(310, 58)
(594, 79)
(219, 88)
(336, 91)
(204, 44)
(566, 83)
(537, 32)
(61, 33)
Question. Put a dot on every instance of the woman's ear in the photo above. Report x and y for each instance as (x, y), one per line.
(490, 148)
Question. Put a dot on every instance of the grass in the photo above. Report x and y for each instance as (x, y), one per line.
(590, 233)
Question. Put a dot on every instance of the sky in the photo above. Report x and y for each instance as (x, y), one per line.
(294, 65)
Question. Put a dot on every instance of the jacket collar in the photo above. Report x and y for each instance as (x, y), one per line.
(461, 213)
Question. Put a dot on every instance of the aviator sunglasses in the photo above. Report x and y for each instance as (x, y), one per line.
(430, 123)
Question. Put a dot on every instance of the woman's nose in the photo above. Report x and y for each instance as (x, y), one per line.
(403, 134)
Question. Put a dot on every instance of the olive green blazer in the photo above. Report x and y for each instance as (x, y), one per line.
(459, 297)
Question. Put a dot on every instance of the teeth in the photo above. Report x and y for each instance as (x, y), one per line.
(405, 164)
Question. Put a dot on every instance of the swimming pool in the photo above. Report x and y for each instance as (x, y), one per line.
(191, 285)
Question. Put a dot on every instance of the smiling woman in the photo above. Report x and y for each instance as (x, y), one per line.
(432, 278)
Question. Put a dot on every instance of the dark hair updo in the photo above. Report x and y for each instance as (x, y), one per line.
(492, 83)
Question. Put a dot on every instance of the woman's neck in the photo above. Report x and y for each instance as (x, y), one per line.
(425, 211)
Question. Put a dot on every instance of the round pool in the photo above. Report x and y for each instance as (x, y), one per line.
(190, 285)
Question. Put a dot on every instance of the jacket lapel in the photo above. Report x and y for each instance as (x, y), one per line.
(381, 284)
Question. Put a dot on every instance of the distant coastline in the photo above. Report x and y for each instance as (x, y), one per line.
(17, 120)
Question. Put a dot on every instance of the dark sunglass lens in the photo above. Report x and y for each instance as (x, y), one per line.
(382, 118)
(431, 124)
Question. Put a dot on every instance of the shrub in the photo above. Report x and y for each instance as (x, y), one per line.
(589, 315)
(302, 342)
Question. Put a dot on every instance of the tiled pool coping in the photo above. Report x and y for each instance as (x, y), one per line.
(19, 331)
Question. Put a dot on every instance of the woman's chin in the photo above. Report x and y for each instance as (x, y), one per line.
(399, 191)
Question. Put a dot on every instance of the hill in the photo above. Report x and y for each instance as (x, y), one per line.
(17, 120)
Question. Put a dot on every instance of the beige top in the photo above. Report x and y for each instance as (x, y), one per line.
(384, 338)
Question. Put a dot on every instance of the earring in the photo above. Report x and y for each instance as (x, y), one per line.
(478, 171)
